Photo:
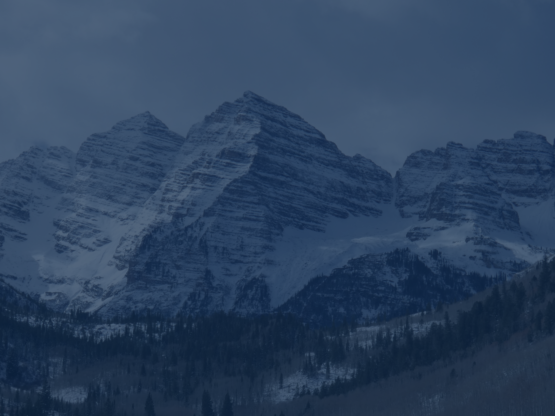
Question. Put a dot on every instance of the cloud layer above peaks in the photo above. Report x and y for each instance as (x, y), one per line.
(381, 78)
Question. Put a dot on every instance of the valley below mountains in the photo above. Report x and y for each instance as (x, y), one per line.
(254, 211)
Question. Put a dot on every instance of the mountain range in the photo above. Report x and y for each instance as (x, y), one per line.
(255, 210)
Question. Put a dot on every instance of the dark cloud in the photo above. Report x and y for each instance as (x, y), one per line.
(381, 78)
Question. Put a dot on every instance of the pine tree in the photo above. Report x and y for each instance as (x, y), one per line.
(45, 399)
(12, 366)
(227, 408)
(64, 362)
(207, 409)
(149, 406)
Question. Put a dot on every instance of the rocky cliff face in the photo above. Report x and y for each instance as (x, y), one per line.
(381, 286)
(115, 174)
(451, 185)
(251, 205)
(27, 182)
(522, 167)
(248, 172)
(30, 187)
(71, 210)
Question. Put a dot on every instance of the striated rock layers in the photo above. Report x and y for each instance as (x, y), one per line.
(252, 204)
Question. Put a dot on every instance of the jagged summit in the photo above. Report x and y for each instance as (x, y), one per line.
(255, 170)
(454, 145)
(252, 112)
(251, 205)
(261, 105)
(252, 99)
(142, 121)
(249, 95)
(523, 135)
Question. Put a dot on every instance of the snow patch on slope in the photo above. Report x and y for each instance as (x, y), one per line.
(294, 384)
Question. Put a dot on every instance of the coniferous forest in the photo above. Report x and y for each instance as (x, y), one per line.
(491, 351)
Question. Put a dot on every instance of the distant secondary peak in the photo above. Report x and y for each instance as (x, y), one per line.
(249, 95)
(250, 98)
(454, 145)
(527, 135)
(141, 121)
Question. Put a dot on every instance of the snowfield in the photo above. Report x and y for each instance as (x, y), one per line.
(71, 394)
(250, 206)
(294, 384)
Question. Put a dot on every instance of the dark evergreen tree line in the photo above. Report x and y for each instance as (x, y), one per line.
(507, 310)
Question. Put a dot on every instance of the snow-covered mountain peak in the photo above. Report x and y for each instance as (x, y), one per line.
(249, 95)
(252, 204)
(143, 121)
(256, 108)
(523, 166)
(528, 135)
(454, 145)
(253, 100)
(246, 174)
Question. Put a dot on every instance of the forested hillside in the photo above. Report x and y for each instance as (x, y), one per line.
(489, 353)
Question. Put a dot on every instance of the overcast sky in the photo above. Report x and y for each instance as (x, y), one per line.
(382, 78)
